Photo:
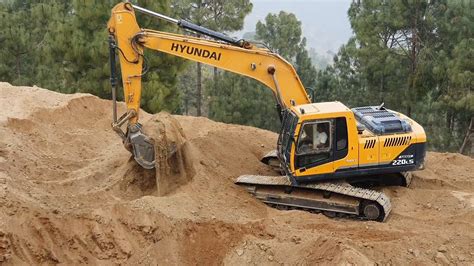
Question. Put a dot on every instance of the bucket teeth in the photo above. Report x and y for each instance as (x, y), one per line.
(143, 149)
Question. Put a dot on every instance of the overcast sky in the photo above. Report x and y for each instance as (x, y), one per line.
(325, 22)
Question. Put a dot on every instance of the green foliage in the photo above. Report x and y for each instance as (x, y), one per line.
(240, 100)
(283, 35)
(218, 15)
(416, 56)
(15, 41)
(243, 101)
(62, 45)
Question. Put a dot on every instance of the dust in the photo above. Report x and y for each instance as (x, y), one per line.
(173, 155)
(71, 194)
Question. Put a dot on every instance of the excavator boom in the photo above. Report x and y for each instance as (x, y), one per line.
(233, 55)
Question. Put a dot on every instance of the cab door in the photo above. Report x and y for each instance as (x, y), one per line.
(314, 148)
(286, 139)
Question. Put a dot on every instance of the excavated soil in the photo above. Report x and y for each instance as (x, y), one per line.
(70, 193)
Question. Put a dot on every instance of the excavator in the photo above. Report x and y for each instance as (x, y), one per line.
(327, 157)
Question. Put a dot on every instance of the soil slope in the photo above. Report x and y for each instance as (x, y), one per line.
(69, 193)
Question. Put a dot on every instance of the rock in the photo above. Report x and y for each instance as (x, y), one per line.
(270, 258)
(296, 239)
(239, 251)
(262, 247)
(443, 249)
(414, 252)
(441, 259)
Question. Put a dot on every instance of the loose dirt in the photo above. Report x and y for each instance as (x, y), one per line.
(70, 193)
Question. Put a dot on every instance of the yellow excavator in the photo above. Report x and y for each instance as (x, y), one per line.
(327, 155)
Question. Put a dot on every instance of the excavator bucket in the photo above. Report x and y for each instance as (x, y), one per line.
(142, 148)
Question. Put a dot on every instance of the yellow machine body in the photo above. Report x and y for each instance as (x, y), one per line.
(365, 151)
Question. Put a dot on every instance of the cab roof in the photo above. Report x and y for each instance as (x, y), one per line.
(320, 108)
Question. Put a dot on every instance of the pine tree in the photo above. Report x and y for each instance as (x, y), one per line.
(244, 101)
(221, 16)
(415, 56)
(16, 50)
(62, 45)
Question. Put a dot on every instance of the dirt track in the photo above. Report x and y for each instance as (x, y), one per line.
(70, 194)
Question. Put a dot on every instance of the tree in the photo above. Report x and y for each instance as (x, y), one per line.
(218, 15)
(283, 35)
(453, 69)
(17, 41)
(62, 45)
(343, 79)
(416, 56)
(244, 101)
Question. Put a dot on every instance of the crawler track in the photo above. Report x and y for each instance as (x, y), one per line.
(332, 199)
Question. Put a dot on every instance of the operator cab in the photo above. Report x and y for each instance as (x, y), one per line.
(322, 141)
(316, 134)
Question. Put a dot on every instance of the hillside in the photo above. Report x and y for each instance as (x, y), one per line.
(69, 193)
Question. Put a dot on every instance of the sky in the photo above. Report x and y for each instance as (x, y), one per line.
(324, 22)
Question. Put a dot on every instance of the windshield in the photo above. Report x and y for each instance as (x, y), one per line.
(314, 137)
(290, 121)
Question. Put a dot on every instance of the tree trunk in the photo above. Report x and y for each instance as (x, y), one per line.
(198, 90)
(470, 130)
(215, 78)
(448, 120)
(382, 88)
(18, 67)
(186, 103)
(413, 68)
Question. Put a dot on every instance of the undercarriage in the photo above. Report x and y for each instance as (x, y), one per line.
(349, 198)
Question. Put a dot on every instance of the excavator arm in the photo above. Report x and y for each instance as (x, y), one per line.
(229, 54)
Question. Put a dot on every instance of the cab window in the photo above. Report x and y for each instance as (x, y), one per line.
(315, 137)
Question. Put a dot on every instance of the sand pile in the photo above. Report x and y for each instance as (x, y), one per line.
(70, 193)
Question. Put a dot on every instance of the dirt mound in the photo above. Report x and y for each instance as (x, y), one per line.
(70, 193)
